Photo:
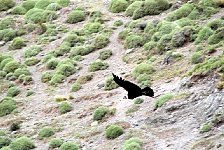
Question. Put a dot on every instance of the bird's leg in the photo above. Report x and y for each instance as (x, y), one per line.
(125, 97)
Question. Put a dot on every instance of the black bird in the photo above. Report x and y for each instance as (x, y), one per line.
(133, 90)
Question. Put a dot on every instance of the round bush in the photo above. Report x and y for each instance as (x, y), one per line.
(65, 107)
(134, 41)
(35, 15)
(132, 146)
(8, 34)
(117, 6)
(110, 84)
(46, 76)
(143, 68)
(100, 41)
(75, 87)
(42, 4)
(7, 105)
(18, 10)
(65, 69)
(63, 3)
(56, 79)
(94, 27)
(13, 91)
(100, 113)
(45, 132)
(18, 43)
(69, 146)
(56, 142)
(21, 71)
(32, 51)
(131, 8)
(76, 16)
(4, 141)
(22, 143)
(114, 131)
(54, 7)
(197, 58)
(29, 4)
(52, 63)
(2, 74)
(6, 4)
(105, 54)
(98, 65)
(32, 61)
(11, 66)
(6, 23)
(81, 50)
(49, 15)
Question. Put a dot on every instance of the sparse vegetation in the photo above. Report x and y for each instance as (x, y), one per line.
(206, 127)
(65, 107)
(138, 100)
(197, 57)
(162, 100)
(13, 91)
(114, 131)
(45, 132)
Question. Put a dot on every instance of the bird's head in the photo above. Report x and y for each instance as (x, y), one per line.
(148, 92)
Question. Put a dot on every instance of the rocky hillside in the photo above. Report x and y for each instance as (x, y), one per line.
(56, 88)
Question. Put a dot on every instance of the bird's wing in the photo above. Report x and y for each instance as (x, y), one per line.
(128, 86)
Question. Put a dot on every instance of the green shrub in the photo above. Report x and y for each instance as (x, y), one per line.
(138, 100)
(45, 132)
(100, 113)
(65, 69)
(143, 68)
(207, 66)
(42, 4)
(25, 79)
(162, 100)
(32, 51)
(76, 16)
(5, 148)
(100, 41)
(206, 127)
(84, 79)
(197, 57)
(29, 93)
(105, 54)
(53, 7)
(29, 4)
(21, 71)
(114, 131)
(8, 34)
(217, 37)
(132, 144)
(182, 12)
(22, 143)
(110, 84)
(7, 105)
(2, 74)
(117, 6)
(134, 41)
(150, 45)
(118, 23)
(6, 4)
(151, 7)
(81, 50)
(203, 34)
(5, 61)
(35, 15)
(56, 142)
(69, 146)
(219, 2)
(98, 65)
(18, 43)
(6, 23)
(46, 76)
(73, 39)
(185, 22)
(65, 107)
(78, 58)
(52, 63)
(63, 3)
(49, 15)
(18, 10)
(123, 34)
(164, 44)
(132, 109)
(13, 91)
(4, 141)
(11, 66)
(131, 8)
(32, 61)
(56, 79)
(94, 27)
(75, 87)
